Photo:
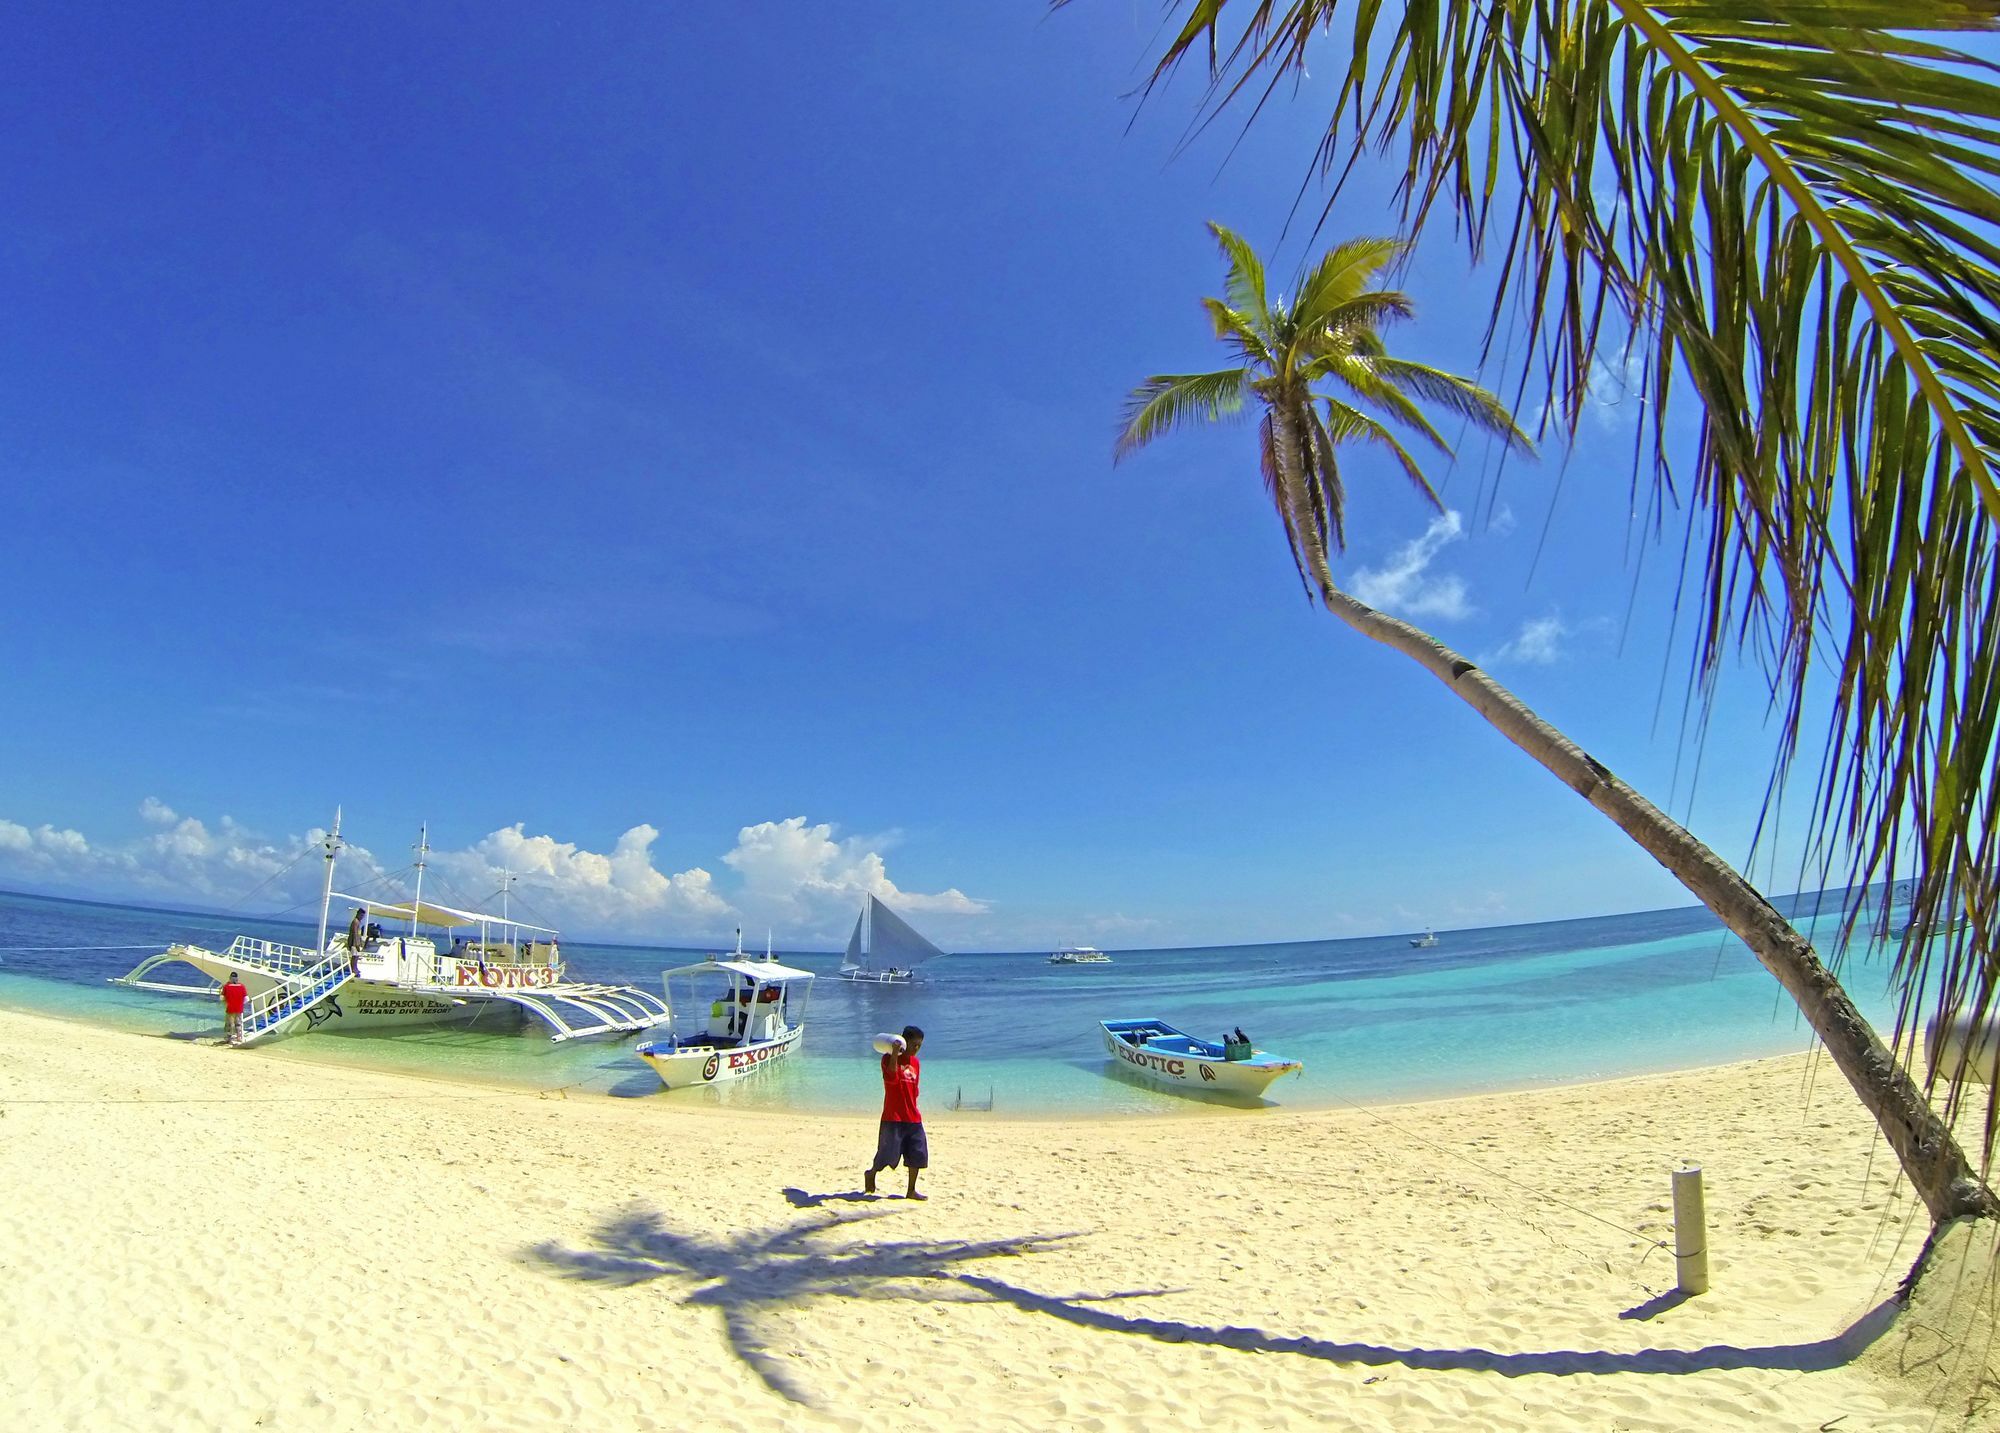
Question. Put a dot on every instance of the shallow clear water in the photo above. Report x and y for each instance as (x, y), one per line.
(1373, 1019)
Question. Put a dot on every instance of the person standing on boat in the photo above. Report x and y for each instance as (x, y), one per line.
(356, 930)
(235, 995)
(902, 1138)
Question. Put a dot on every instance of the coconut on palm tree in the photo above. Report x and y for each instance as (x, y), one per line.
(1317, 369)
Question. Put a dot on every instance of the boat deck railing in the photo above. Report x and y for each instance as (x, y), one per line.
(252, 950)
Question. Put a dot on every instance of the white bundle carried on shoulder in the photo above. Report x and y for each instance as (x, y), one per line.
(886, 1044)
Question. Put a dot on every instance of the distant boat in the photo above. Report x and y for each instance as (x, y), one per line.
(884, 949)
(1079, 955)
(1425, 941)
(1176, 1060)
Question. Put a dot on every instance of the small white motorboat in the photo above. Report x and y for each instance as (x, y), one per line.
(752, 1014)
(1079, 955)
(1176, 1060)
(1424, 941)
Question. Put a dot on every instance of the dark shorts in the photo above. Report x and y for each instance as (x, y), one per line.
(902, 1142)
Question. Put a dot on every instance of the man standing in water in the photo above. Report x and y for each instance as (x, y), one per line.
(902, 1138)
(235, 995)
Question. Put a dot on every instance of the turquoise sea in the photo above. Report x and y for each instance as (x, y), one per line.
(1374, 1020)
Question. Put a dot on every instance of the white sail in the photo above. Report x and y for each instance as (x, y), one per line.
(853, 959)
(890, 943)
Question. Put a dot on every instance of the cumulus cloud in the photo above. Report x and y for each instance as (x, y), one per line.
(1539, 643)
(1406, 585)
(800, 879)
(619, 890)
(805, 874)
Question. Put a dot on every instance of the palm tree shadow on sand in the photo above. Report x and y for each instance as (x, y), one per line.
(753, 1275)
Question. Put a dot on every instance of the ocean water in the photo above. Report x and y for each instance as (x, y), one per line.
(1374, 1020)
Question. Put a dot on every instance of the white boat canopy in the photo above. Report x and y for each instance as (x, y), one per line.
(767, 972)
(428, 914)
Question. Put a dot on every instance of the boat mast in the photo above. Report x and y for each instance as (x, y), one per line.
(423, 849)
(506, 882)
(331, 841)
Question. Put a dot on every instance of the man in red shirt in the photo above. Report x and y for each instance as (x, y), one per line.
(235, 995)
(902, 1137)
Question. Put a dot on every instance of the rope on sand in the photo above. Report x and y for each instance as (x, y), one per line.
(1457, 1157)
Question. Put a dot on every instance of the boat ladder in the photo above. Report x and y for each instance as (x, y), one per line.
(292, 999)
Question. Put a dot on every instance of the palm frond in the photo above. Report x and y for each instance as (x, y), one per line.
(1794, 206)
(1171, 400)
(1360, 317)
(1348, 424)
(1342, 276)
(1361, 374)
(1457, 395)
(1278, 486)
(1236, 329)
(1329, 490)
(1244, 284)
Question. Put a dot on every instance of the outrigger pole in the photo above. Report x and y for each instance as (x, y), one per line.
(332, 844)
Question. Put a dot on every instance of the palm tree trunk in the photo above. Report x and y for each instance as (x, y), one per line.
(1936, 1166)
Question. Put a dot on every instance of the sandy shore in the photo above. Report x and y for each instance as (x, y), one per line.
(193, 1237)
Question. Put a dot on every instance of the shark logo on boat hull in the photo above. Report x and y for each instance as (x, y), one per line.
(327, 1009)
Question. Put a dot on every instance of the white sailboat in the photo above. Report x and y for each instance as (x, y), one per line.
(884, 949)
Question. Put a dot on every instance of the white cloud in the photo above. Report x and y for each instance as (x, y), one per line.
(1539, 643)
(803, 873)
(1617, 390)
(1406, 586)
(620, 890)
(799, 879)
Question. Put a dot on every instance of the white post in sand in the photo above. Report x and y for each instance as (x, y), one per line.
(1690, 1231)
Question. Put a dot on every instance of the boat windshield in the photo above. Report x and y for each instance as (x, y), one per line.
(725, 1004)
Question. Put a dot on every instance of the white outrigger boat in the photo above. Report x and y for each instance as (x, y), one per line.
(493, 966)
(756, 1015)
(1170, 1057)
(884, 949)
(1079, 955)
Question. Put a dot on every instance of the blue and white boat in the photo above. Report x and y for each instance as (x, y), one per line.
(1175, 1060)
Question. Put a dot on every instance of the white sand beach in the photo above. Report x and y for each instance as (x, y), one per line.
(193, 1237)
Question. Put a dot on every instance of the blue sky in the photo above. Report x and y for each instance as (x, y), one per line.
(696, 421)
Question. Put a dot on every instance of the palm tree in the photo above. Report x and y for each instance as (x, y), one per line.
(1328, 334)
